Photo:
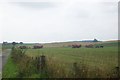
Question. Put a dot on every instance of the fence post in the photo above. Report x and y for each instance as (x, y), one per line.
(37, 62)
(42, 62)
(42, 65)
(117, 70)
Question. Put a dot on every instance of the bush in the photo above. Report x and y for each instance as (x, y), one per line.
(26, 65)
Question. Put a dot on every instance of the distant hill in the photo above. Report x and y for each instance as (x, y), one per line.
(112, 41)
(69, 43)
(66, 44)
(95, 40)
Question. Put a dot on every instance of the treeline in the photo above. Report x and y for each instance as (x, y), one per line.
(7, 45)
(13, 43)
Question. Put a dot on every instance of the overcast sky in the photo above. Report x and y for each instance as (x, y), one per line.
(58, 20)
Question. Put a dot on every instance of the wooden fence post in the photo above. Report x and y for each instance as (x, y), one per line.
(42, 62)
(117, 70)
(38, 63)
(42, 65)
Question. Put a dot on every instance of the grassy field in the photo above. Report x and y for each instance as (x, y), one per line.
(105, 59)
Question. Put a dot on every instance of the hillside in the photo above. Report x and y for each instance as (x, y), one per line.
(66, 44)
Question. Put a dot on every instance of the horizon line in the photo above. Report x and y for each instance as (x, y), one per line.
(59, 41)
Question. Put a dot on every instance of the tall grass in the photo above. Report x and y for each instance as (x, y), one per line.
(57, 69)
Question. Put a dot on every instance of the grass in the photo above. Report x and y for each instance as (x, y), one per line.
(103, 58)
(70, 55)
(10, 69)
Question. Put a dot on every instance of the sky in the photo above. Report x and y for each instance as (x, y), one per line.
(58, 20)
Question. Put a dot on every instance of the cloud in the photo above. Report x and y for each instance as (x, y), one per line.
(34, 5)
(61, 20)
(109, 7)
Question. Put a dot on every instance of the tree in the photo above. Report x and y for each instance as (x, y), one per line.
(4, 43)
(14, 43)
(21, 42)
(95, 40)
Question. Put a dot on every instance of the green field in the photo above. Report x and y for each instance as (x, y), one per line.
(105, 59)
